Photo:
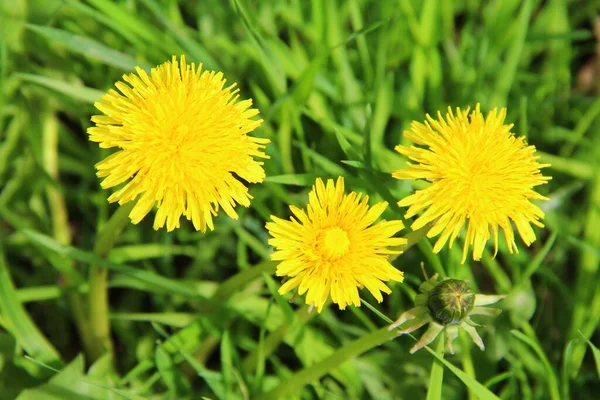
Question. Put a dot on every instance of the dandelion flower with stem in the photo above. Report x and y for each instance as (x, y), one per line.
(334, 248)
(481, 175)
(184, 143)
(446, 304)
(184, 146)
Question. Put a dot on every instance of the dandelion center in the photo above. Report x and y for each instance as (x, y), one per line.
(334, 243)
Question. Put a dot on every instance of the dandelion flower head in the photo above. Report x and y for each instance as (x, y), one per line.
(481, 175)
(183, 144)
(333, 248)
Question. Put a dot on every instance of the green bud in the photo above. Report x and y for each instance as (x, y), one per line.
(450, 302)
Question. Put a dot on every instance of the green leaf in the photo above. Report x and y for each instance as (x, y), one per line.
(71, 383)
(167, 284)
(477, 388)
(77, 92)
(283, 305)
(195, 49)
(13, 15)
(550, 374)
(346, 146)
(128, 23)
(88, 47)
(436, 376)
(596, 354)
(271, 64)
(536, 262)
(150, 250)
(306, 180)
(18, 322)
(173, 378)
(175, 319)
(226, 362)
(566, 363)
(570, 166)
(508, 72)
(212, 378)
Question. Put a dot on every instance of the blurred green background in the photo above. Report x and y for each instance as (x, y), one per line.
(337, 82)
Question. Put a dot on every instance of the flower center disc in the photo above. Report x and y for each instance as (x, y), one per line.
(334, 243)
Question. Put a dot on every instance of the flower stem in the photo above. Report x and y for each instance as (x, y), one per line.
(61, 229)
(295, 383)
(98, 283)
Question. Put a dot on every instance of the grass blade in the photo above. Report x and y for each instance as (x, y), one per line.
(88, 47)
(19, 323)
(436, 376)
(81, 93)
(89, 258)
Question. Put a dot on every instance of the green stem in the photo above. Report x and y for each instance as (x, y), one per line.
(589, 263)
(272, 341)
(60, 227)
(98, 283)
(411, 239)
(467, 360)
(436, 376)
(242, 278)
(293, 385)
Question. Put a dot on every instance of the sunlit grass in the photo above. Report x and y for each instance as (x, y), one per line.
(336, 82)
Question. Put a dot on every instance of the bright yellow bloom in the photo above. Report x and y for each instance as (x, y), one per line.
(480, 174)
(183, 140)
(332, 248)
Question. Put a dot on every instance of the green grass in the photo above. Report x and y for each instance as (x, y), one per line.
(337, 82)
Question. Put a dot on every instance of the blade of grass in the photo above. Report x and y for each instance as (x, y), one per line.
(566, 364)
(89, 258)
(127, 22)
(574, 167)
(295, 383)
(508, 72)
(20, 324)
(582, 127)
(306, 180)
(226, 363)
(212, 378)
(550, 374)
(436, 376)
(536, 262)
(71, 370)
(596, 354)
(269, 61)
(88, 47)
(174, 380)
(77, 92)
(105, 20)
(175, 319)
(194, 48)
(587, 296)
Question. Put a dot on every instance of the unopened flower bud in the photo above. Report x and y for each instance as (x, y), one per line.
(450, 302)
(446, 304)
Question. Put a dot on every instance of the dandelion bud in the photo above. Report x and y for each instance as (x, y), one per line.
(446, 305)
(450, 302)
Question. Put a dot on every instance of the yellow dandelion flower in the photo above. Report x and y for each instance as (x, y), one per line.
(480, 174)
(333, 248)
(184, 144)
